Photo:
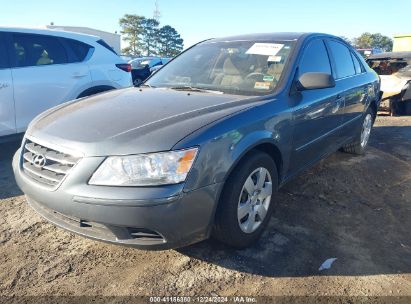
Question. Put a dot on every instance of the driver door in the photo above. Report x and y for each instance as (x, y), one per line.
(7, 114)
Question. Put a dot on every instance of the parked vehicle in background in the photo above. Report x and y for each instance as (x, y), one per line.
(40, 69)
(394, 69)
(143, 67)
(365, 53)
(128, 58)
(201, 147)
(155, 68)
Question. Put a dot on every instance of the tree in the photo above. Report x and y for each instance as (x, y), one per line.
(346, 39)
(132, 28)
(149, 36)
(368, 40)
(170, 42)
(144, 37)
(383, 42)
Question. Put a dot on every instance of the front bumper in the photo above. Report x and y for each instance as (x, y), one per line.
(148, 218)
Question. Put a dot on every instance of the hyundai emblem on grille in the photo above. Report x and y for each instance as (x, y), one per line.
(39, 160)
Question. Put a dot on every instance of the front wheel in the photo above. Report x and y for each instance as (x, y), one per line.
(360, 143)
(246, 203)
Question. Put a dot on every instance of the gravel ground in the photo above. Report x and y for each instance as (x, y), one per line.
(355, 209)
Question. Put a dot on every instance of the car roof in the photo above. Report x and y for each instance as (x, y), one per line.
(271, 36)
(51, 32)
(393, 55)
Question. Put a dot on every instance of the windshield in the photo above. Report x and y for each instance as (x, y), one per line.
(386, 66)
(234, 67)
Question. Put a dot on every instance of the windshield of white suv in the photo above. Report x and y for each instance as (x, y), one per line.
(233, 67)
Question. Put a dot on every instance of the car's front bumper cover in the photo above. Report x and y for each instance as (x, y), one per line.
(148, 218)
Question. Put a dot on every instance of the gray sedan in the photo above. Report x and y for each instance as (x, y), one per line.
(202, 147)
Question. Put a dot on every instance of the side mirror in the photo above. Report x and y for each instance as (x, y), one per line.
(313, 81)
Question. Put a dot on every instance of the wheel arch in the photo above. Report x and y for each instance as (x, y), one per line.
(265, 145)
(374, 107)
(95, 90)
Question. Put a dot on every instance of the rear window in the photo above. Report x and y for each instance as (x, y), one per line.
(3, 55)
(104, 44)
(37, 50)
(80, 49)
(343, 60)
(357, 64)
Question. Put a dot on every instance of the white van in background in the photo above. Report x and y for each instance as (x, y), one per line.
(40, 69)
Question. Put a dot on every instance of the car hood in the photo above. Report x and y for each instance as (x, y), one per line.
(392, 84)
(131, 121)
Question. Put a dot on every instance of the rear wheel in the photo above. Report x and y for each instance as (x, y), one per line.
(360, 143)
(246, 203)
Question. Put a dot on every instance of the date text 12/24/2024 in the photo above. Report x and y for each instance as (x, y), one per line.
(199, 299)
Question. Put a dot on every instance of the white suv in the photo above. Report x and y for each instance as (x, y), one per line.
(40, 69)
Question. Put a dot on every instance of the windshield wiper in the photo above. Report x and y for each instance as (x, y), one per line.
(146, 85)
(194, 89)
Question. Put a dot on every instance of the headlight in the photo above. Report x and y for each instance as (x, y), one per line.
(145, 169)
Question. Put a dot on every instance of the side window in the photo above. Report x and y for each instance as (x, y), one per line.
(103, 43)
(343, 60)
(357, 65)
(37, 50)
(315, 59)
(80, 50)
(3, 53)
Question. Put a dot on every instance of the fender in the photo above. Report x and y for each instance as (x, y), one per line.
(251, 142)
(217, 169)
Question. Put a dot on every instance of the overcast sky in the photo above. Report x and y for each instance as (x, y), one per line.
(197, 20)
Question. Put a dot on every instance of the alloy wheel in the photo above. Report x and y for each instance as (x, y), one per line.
(254, 200)
(366, 130)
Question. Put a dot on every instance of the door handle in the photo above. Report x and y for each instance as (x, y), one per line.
(337, 105)
(79, 74)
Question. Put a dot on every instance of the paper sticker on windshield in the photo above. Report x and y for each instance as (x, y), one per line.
(267, 49)
(274, 58)
(262, 85)
(268, 78)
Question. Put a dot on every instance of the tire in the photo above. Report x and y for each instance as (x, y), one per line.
(359, 145)
(240, 231)
(397, 107)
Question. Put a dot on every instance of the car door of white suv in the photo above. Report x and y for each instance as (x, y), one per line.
(7, 117)
(44, 75)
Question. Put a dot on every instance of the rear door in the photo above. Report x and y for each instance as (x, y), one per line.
(7, 117)
(44, 75)
(318, 114)
(352, 83)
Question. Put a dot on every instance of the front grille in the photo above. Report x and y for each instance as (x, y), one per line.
(45, 165)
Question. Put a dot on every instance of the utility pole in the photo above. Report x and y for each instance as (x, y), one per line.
(156, 13)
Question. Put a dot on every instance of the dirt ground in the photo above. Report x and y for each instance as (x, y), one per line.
(355, 209)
